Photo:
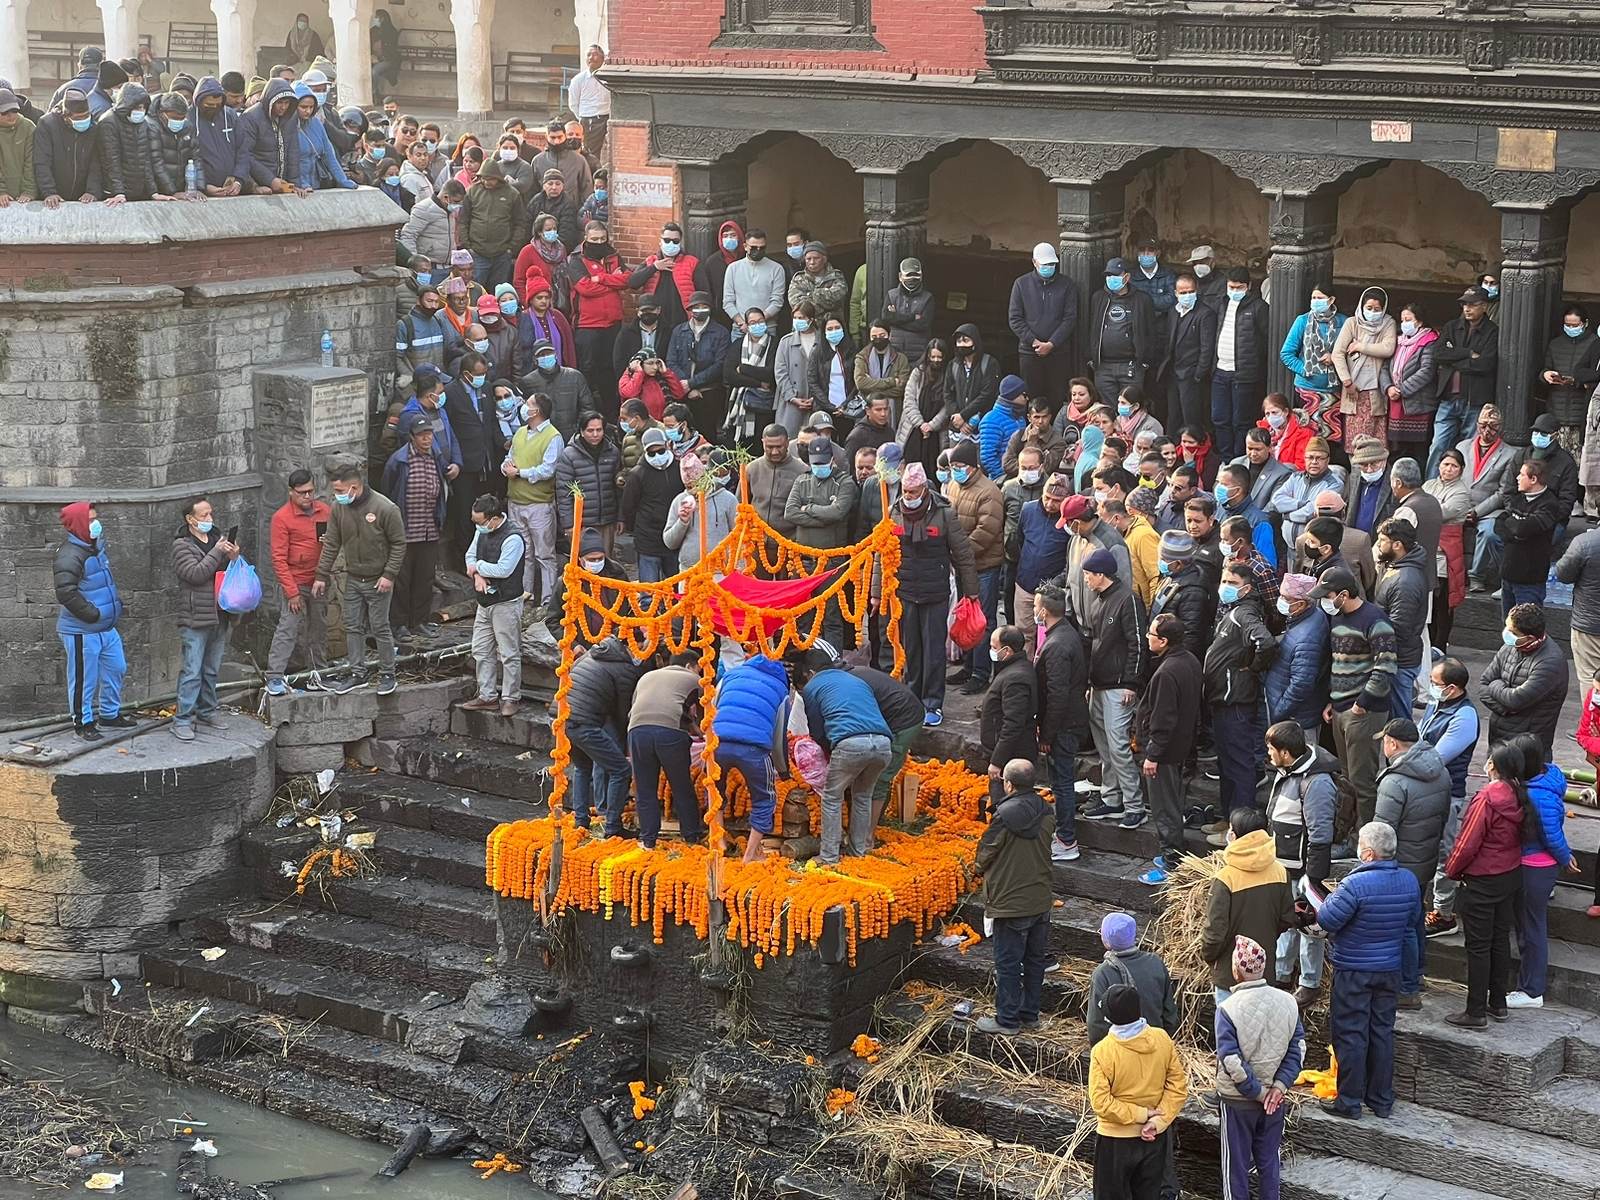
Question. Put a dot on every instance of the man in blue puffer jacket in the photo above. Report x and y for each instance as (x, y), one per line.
(752, 728)
(1297, 681)
(87, 625)
(1367, 917)
(1008, 415)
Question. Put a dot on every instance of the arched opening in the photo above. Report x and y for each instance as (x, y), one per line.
(987, 209)
(794, 181)
(1582, 278)
(1187, 199)
(1415, 232)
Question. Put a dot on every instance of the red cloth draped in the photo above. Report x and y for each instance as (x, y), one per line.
(780, 594)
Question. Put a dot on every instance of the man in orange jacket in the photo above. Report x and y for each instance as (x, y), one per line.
(297, 530)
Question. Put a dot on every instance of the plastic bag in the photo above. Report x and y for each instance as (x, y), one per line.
(811, 762)
(968, 624)
(240, 591)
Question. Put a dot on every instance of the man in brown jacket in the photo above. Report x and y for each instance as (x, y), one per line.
(982, 511)
(368, 530)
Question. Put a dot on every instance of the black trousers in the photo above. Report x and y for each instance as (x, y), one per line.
(413, 588)
(594, 360)
(464, 489)
(1486, 906)
(1047, 376)
(1188, 403)
(1130, 1168)
(924, 629)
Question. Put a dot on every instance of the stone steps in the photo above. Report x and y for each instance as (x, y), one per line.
(470, 764)
(438, 912)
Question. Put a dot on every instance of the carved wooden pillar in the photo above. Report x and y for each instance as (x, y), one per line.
(712, 193)
(1089, 217)
(1533, 250)
(1302, 230)
(895, 205)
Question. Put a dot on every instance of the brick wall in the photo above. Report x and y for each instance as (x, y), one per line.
(636, 229)
(925, 37)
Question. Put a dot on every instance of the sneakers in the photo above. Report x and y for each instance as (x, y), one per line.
(87, 733)
(209, 720)
(934, 718)
(312, 683)
(386, 683)
(1523, 1000)
(510, 708)
(481, 704)
(277, 687)
(1412, 1002)
(120, 721)
(184, 733)
(1133, 820)
(990, 1026)
(1436, 924)
(1064, 851)
(428, 630)
(338, 685)
(1101, 811)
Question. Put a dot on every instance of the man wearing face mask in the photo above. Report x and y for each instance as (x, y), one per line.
(909, 310)
(87, 625)
(66, 154)
(566, 388)
(1361, 683)
(646, 506)
(1023, 488)
(645, 332)
(1043, 313)
(506, 421)
(1124, 333)
(1157, 282)
(423, 338)
(130, 152)
(1468, 357)
(1526, 528)
(1202, 264)
(597, 281)
(1164, 728)
(1300, 497)
(671, 277)
(493, 225)
(754, 281)
(1184, 591)
(1450, 724)
(976, 501)
(819, 507)
(1114, 627)
(561, 155)
(1190, 355)
(1328, 544)
(270, 135)
(1041, 545)
(1009, 715)
(821, 284)
(1297, 680)
(1403, 593)
(1240, 376)
(1368, 499)
(1241, 650)
(470, 411)
(1232, 493)
(530, 471)
(695, 354)
(1526, 683)
(499, 339)
(430, 227)
(494, 563)
(596, 559)
(933, 548)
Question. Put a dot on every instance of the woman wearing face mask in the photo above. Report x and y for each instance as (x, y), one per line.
(598, 206)
(792, 369)
(1450, 489)
(507, 152)
(749, 372)
(1410, 386)
(1571, 370)
(541, 322)
(389, 185)
(596, 278)
(926, 409)
(1308, 352)
(1362, 350)
(319, 161)
(303, 43)
(833, 376)
(1134, 416)
(545, 255)
(1288, 433)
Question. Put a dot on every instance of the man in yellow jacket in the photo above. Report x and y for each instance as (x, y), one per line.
(1137, 1087)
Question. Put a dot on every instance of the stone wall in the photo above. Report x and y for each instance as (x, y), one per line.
(141, 389)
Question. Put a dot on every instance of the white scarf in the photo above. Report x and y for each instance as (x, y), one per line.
(1131, 1030)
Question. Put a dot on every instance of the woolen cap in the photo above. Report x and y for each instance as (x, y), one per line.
(1368, 450)
(1011, 387)
(1176, 545)
(554, 173)
(1118, 931)
(1101, 562)
(817, 247)
(1249, 959)
(75, 101)
(1121, 1004)
(966, 454)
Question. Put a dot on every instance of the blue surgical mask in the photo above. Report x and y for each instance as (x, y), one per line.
(960, 474)
(1320, 304)
(730, 244)
(802, 325)
(1124, 409)
(795, 252)
(1491, 290)
(1113, 283)
(1572, 331)
(547, 362)
(176, 126)
(137, 116)
(508, 308)
(204, 526)
(1435, 692)
(1277, 420)
(1283, 605)
(1409, 328)
(821, 470)
(1228, 593)
(1541, 440)
(834, 336)
(675, 434)
(347, 498)
(551, 235)
(1185, 301)
(1238, 293)
(1163, 567)
(1508, 637)
(1221, 493)
(942, 476)
(670, 249)
(81, 124)
(479, 380)
(507, 406)
(481, 345)
(601, 193)
(424, 277)
(95, 529)
(757, 329)
(1046, 270)
(1147, 261)
(377, 153)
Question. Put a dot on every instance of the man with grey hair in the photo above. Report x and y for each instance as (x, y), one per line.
(1367, 917)
(1014, 859)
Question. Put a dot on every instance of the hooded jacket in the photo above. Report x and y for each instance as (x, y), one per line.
(1250, 897)
(972, 382)
(1369, 914)
(66, 163)
(1362, 350)
(1414, 798)
(1134, 1076)
(1490, 840)
(1013, 857)
(716, 264)
(220, 146)
(1302, 806)
(130, 154)
(84, 587)
(176, 149)
(319, 161)
(88, 80)
(603, 680)
(1403, 594)
(1297, 680)
(272, 143)
(1548, 791)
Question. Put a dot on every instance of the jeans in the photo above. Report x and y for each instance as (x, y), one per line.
(1487, 904)
(1404, 691)
(491, 270)
(366, 613)
(854, 765)
(1235, 407)
(1239, 731)
(924, 628)
(1062, 762)
(497, 649)
(653, 568)
(1513, 594)
(754, 764)
(1110, 719)
(1021, 949)
(1413, 954)
(1444, 888)
(305, 630)
(1486, 553)
(655, 750)
(1251, 1138)
(1313, 951)
(1533, 936)
(1449, 427)
(197, 679)
(1361, 1015)
(598, 765)
(978, 660)
(95, 667)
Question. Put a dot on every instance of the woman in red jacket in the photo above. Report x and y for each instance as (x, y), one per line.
(1487, 860)
(652, 381)
(1289, 436)
(597, 282)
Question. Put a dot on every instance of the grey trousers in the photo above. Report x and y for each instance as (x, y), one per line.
(497, 649)
(306, 629)
(1585, 656)
(1110, 721)
(1352, 738)
(366, 612)
(1444, 888)
(855, 764)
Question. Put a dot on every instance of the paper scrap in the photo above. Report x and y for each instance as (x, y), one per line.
(212, 953)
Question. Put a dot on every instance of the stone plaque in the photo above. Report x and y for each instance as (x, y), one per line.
(1391, 131)
(643, 191)
(1526, 150)
(339, 411)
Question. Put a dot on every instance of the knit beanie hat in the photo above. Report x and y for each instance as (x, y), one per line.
(1249, 959)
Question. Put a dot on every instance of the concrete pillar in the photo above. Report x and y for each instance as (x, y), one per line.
(590, 17)
(121, 21)
(474, 65)
(896, 209)
(236, 35)
(14, 63)
(712, 193)
(1089, 218)
(1533, 249)
(1302, 230)
(352, 52)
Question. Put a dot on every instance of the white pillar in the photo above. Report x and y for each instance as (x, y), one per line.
(590, 17)
(474, 63)
(121, 20)
(236, 35)
(352, 49)
(14, 63)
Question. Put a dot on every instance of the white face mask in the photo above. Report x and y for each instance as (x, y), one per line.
(1331, 607)
(1029, 477)
(1283, 605)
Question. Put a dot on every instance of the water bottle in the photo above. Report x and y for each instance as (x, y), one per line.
(327, 348)
(191, 176)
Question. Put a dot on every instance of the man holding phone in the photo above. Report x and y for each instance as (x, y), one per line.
(296, 539)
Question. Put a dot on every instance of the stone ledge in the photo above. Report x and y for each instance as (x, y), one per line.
(270, 285)
(141, 295)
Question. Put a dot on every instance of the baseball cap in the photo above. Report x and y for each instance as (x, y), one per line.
(1115, 266)
(418, 424)
(1339, 579)
(820, 450)
(1044, 252)
(1201, 253)
(820, 420)
(9, 101)
(1401, 729)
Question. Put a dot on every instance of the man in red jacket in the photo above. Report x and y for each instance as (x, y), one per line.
(598, 281)
(297, 530)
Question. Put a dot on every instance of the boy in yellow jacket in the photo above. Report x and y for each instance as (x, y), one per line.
(1137, 1087)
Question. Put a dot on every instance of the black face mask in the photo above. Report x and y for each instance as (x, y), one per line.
(880, 343)
(647, 320)
(966, 351)
(757, 253)
(597, 250)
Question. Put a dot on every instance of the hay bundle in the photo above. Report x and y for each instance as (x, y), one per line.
(1176, 934)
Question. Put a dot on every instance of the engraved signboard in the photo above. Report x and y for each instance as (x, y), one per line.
(642, 191)
(339, 411)
(1526, 150)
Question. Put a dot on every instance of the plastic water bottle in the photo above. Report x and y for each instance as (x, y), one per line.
(327, 348)
(191, 176)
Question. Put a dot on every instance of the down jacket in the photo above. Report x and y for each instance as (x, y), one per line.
(1297, 681)
(1403, 593)
(1007, 726)
(1368, 915)
(1524, 692)
(1414, 797)
(84, 588)
(196, 565)
(130, 154)
(594, 469)
(66, 163)
(602, 687)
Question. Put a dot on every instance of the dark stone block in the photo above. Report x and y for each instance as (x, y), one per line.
(496, 1007)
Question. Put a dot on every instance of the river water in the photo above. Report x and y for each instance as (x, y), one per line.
(253, 1144)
